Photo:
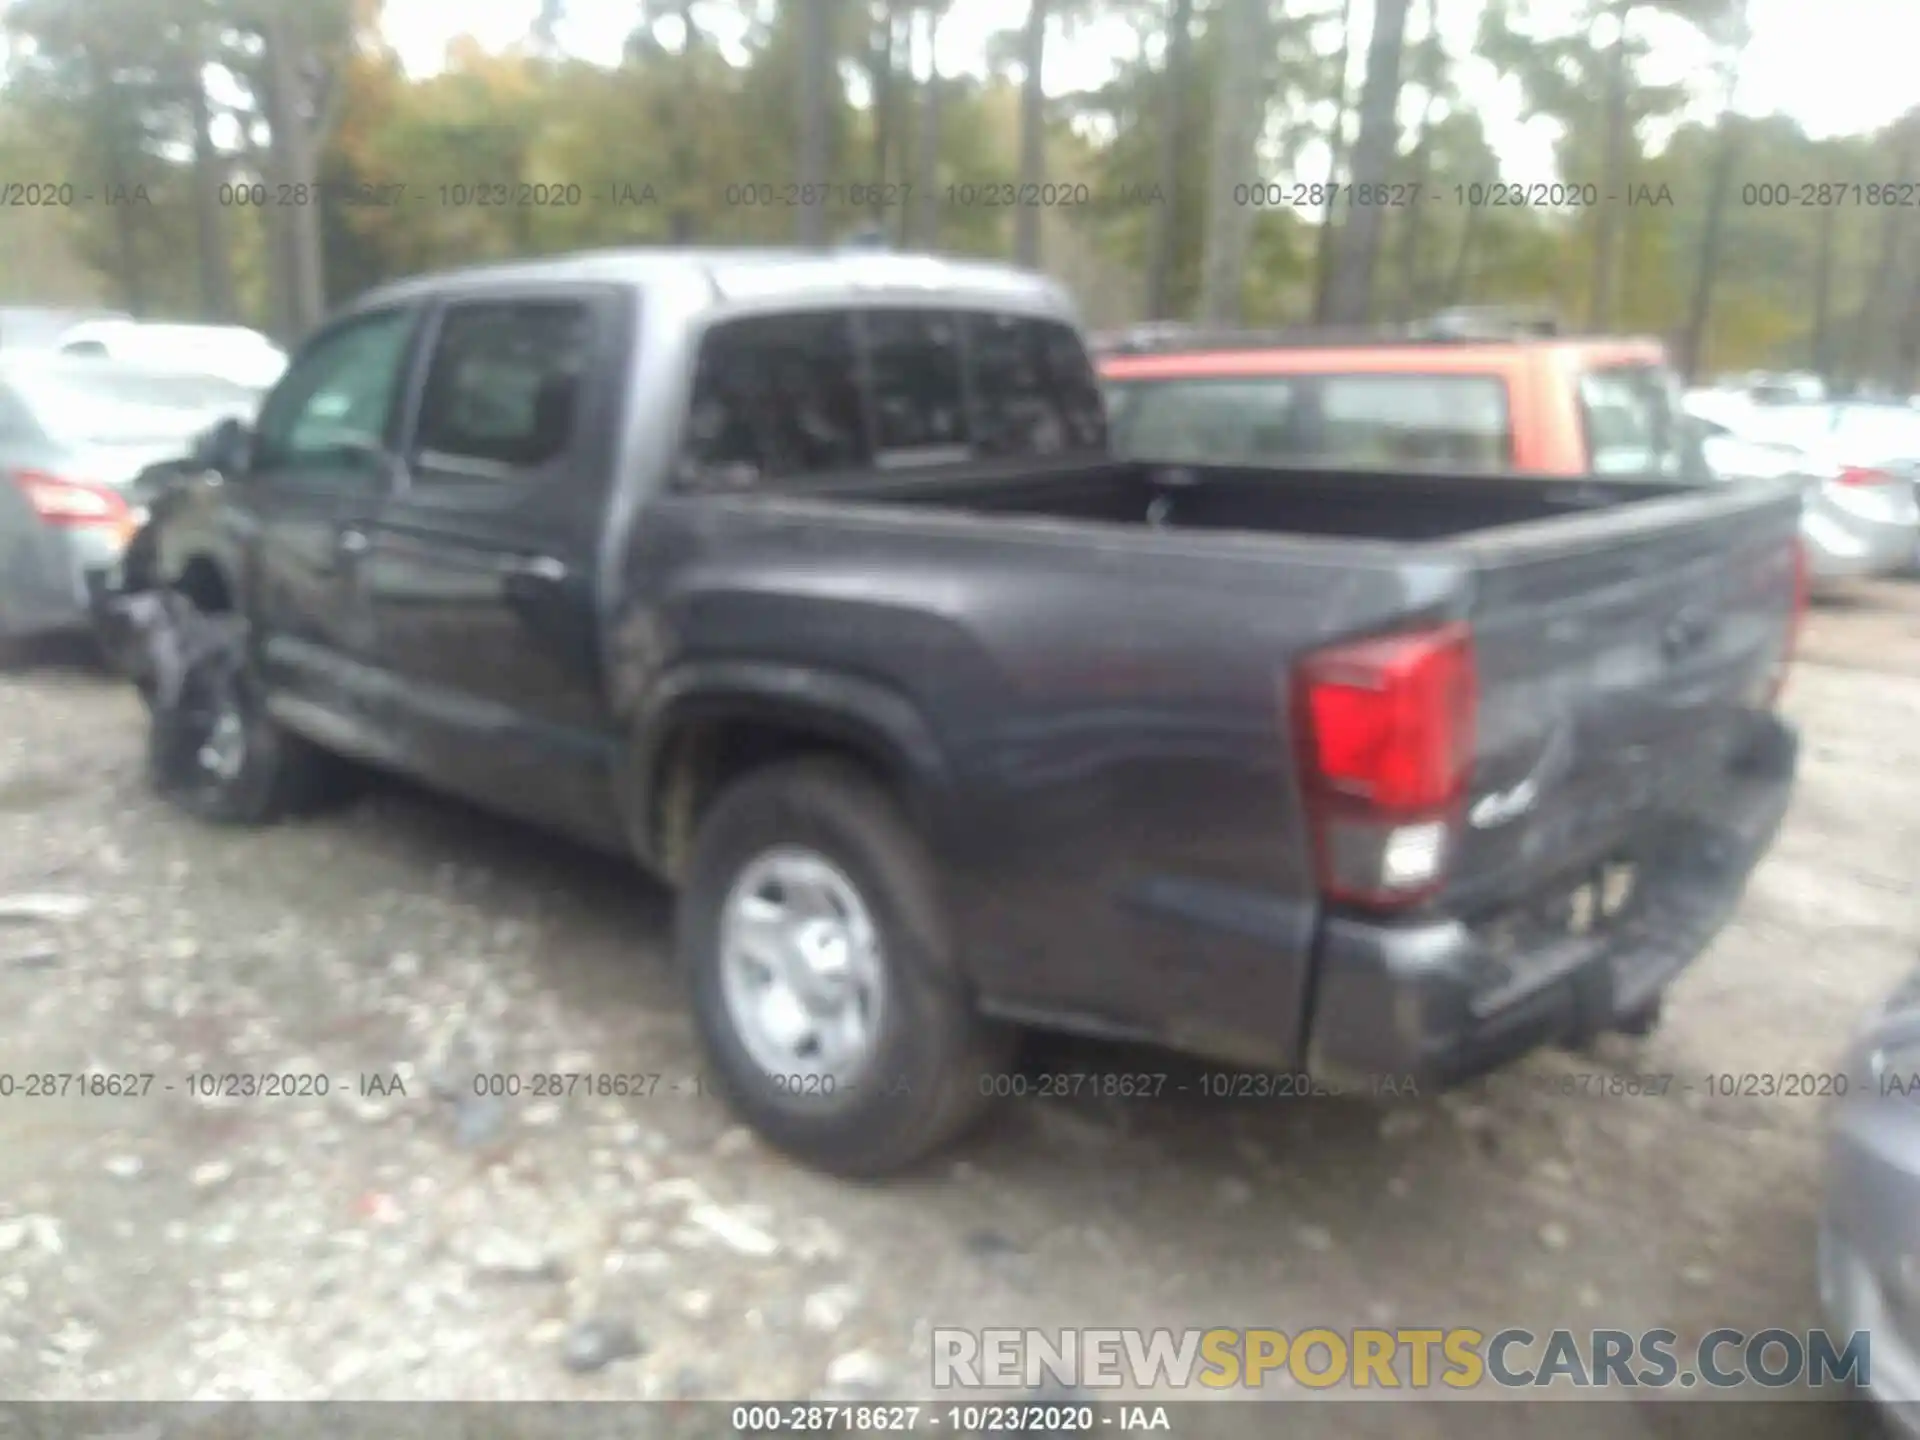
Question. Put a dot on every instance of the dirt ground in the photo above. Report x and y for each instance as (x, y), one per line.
(439, 1244)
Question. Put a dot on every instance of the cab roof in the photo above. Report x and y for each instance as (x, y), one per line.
(848, 276)
(1377, 356)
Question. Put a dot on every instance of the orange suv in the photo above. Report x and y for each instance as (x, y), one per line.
(1449, 397)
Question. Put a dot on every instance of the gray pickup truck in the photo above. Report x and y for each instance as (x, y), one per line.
(808, 581)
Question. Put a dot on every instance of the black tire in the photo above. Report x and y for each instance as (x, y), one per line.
(276, 772)
(1641, 1023)
(934, 1054)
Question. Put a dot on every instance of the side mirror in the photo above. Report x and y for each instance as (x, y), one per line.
(225, 449)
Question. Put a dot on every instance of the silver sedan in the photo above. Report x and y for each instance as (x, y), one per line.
(1869, 1241)
(74, 435)
(1860, 463)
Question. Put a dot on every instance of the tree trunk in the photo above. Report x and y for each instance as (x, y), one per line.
(1238, 114)
(906, 46)
(294, 157)
(1336, 153)
(927, 167)
(1350, 290)
(1433, 67)
(681, 224)
(1033, 135)
(1172, 124)
(1719, 196)
(1907, 371)
(1455, 291)
(132, 274)
(816, 76)
(1880, 285)
(1613, 180)
(1693, 345)
(880, 67)
(210, 231)
(1821, 357)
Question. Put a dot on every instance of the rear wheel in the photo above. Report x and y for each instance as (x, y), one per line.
(212, 749)
(822, 973)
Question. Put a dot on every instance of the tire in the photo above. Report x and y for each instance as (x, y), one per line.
(266, 771)
(932, 1054)
(1642, 1022)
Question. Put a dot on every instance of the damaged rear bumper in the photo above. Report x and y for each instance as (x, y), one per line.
(1440, 1002)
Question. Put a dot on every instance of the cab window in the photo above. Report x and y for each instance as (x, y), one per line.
(1634, 424)
(1452, 422)
(775, 397)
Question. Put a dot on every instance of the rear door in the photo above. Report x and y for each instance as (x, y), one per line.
(479, 571)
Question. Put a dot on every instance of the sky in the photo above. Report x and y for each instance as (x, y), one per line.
(1836, 66)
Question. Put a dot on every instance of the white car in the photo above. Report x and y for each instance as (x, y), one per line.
(1860, 464)
(231, 352)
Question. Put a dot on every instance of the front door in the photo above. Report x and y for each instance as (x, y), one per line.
(321, 465)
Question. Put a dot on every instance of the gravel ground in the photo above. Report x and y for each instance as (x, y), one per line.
(432, 1243)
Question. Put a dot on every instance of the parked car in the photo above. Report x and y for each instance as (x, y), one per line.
(1869, 1237)
(75, 436)
(232, 352)
(1569, 407)
(809, 581)
(1859, 467)
(40, 327)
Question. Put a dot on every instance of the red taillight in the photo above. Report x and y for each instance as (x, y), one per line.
(1796, 618)
(1861, 475)
(1385, 730)
(59, 501)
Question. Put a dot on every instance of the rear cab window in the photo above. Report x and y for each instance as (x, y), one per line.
(781, 399)
(1365, 421)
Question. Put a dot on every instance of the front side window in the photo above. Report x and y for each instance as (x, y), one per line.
(338, 396)
(504, 383)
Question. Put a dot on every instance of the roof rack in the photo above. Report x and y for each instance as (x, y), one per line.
(1457, 326)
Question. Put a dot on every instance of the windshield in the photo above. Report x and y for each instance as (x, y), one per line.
(117, 405)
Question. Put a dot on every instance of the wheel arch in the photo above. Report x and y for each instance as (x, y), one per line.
(706, 725)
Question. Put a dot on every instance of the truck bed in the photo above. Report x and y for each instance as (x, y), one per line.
(1351, 504)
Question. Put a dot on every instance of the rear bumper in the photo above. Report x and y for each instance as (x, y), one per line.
(1435, 1002)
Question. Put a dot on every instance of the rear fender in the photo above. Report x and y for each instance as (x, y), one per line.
(846, 712)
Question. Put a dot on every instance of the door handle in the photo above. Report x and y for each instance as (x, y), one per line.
(353, 542)
(543, 568)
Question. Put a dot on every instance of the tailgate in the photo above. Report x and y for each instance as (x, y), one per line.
(1617, 653)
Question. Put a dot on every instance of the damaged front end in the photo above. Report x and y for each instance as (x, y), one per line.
(138, 622)
(158, 639)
